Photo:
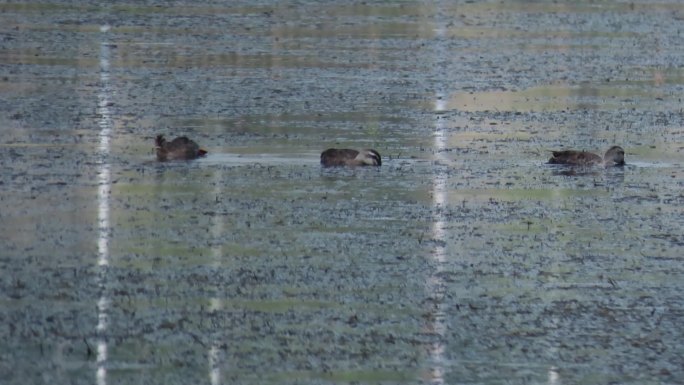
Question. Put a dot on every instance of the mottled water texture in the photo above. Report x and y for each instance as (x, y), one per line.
(464, 259)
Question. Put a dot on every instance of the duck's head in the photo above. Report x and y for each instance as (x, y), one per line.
(159, 141)
(369, 157)
(615, 156)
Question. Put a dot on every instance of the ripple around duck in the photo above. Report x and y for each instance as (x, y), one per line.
(642, 164)
(303, 159)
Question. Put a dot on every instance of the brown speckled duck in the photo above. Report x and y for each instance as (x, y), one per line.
(334, 157)
(180, 148)
(615, 156)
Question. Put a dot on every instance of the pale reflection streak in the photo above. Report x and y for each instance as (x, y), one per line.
(216, 304)
(103, 194)
(554, 377)
(435, 282)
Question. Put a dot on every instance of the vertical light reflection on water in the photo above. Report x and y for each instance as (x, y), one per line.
(216, 304)
(435, 282)
(554, 377)
(214, 364)
(436, 285)
(103, 191)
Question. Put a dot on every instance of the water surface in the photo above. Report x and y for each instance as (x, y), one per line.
(463, 259)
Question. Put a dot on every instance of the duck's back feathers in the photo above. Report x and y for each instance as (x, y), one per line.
(615, 156)
(181, 148)
(576, 158)
(335, 157)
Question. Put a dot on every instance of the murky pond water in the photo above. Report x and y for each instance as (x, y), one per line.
(463, 259)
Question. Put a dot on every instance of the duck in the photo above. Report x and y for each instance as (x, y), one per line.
(180, 148)
(336, 157)
(615, 156)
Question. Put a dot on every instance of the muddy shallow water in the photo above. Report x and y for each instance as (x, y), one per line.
(463, 259)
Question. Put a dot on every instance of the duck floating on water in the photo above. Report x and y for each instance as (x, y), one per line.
(615, 156)
(336, 157)
(180, 148)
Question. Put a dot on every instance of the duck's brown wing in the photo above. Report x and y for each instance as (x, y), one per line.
(333, 157)
(182, 142)
(563, 157)
(182, 148)
(572, 157)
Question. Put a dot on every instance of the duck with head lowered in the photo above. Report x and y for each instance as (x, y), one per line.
(180, 148)
(615, 156)
(336, 157)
